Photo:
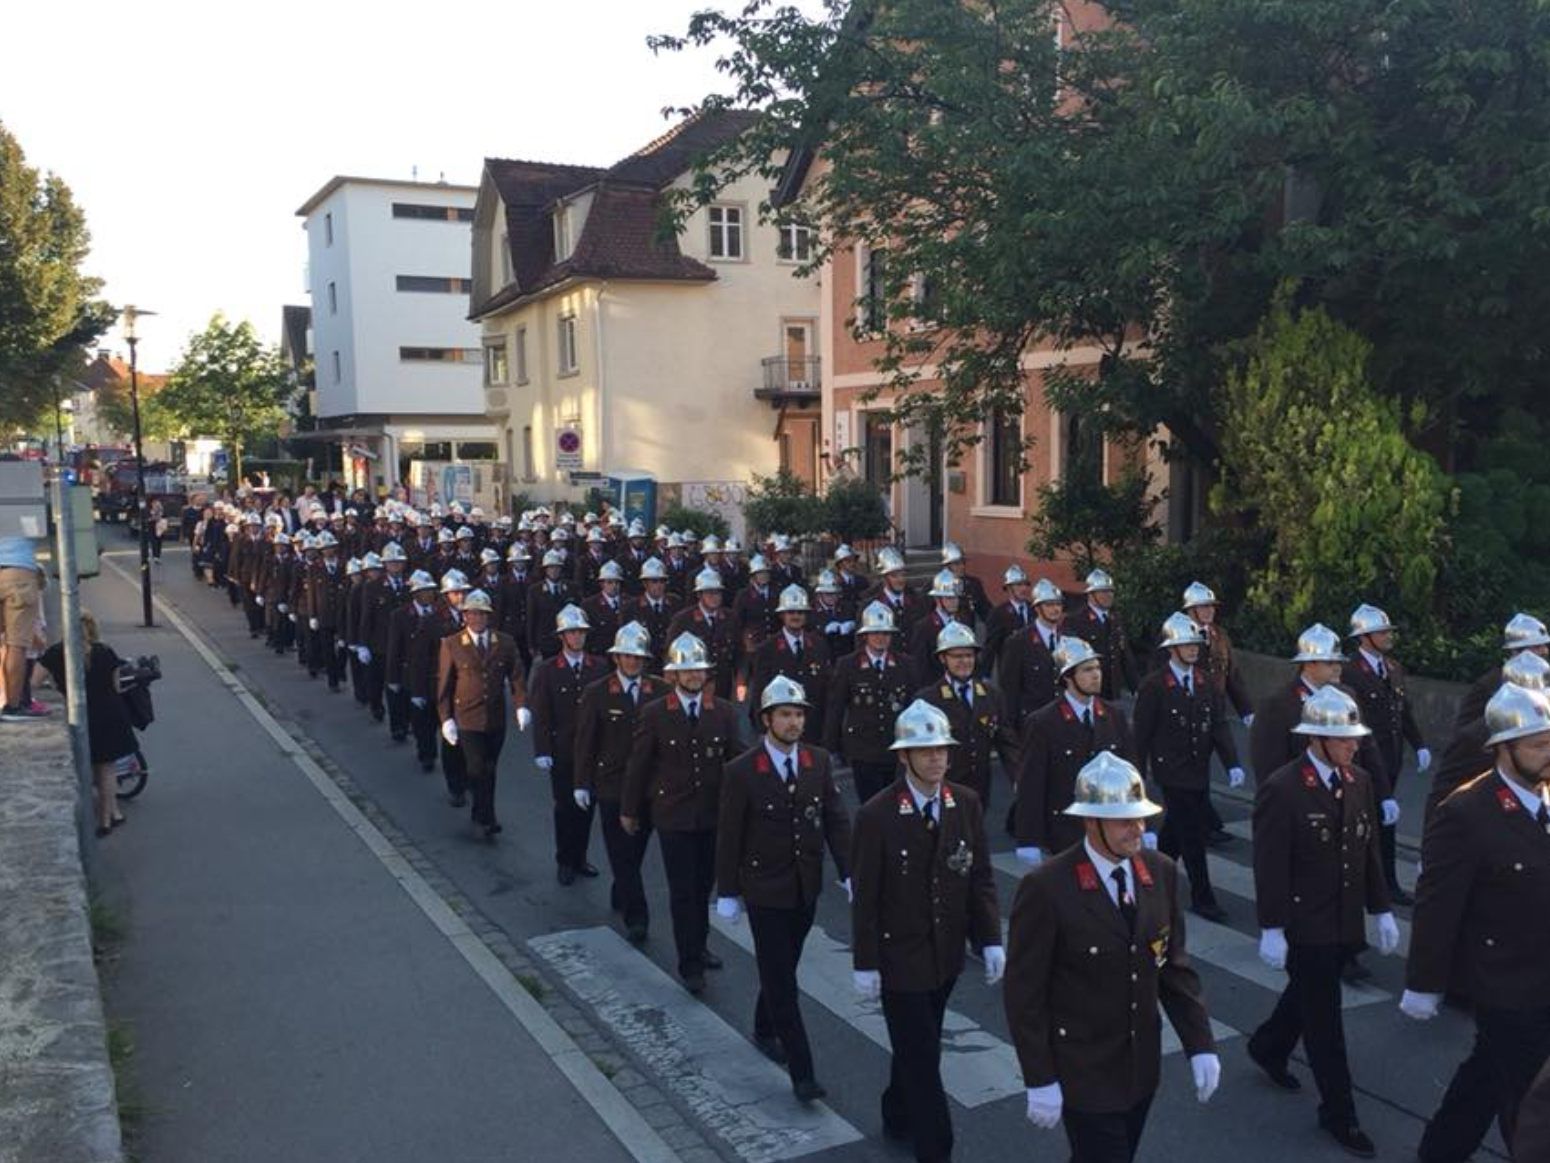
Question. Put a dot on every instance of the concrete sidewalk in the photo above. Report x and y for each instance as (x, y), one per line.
(288, 994)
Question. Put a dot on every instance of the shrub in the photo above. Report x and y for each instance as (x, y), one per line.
(782, 504)
(1092, 522)
(854, 510)
(702, 521)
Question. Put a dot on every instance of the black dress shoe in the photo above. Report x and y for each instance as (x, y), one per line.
(565, 874)
(709, 959)
(491, 831)
(457, 799)
(1211, 911)
(695, 983)
(1353, 972)
(1353, 1139)
(586, 870)
(636, 934)
(1399, 896)
(494, 827)
(1277, 1074)
(770, 1047)
(808, 1090)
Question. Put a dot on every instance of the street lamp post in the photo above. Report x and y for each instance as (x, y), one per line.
(131, 314)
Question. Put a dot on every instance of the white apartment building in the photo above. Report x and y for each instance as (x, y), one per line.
(396, 361)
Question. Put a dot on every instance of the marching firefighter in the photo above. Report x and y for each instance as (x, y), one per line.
(1029, 676)
(682, 742)
(1317, 864)
(1096, 948)
(779, 810)
(923, 890)
(946, 594)
(867, 691)
(654, 608)
(409, 624)
(1099, 626)
(708, 621)
(974, 711)
(605, 731)
(554, 700)
(797, 653)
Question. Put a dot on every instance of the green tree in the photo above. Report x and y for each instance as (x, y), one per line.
(1093, 522)
(1143, 191)
(854, 509)
(1316, 457)
(782, 503)
(227, 385)
(49, 312)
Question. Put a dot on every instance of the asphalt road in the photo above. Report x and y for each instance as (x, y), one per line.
(295, 972)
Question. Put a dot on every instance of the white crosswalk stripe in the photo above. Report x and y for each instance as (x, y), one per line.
(717, 1073)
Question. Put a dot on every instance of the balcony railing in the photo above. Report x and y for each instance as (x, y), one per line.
(789, 378)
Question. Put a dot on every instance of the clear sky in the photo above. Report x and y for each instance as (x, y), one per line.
(191, 132)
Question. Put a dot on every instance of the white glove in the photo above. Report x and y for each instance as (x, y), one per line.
(283, 608)
(524, 718)
(1044, 1106)
(395, 687)
(850, 897)
(293, 619)
(1388, 933)
(1420, 1006)
(1272, 948)
(258, 599)
(1248, 720)
(1390, 813)
(1235, 777)
(868, 983)
(312, 623)
(449, 731)
(582, 797)
(543, 762)
(364, 654)
(1207, 1069)
(995, 963)
(1423, 758)
(850, 627)
(1031, 856)
(417, 703)
(729, 908)
(339, 644)
(1149, 840)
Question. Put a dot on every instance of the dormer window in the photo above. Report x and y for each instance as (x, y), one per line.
(561, 232)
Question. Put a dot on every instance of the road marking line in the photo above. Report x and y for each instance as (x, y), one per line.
(1228, 949)
(717, 1073)
(632, 1131)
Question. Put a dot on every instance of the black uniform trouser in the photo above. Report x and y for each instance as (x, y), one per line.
(689, 859)
(1510, 1047)
(253, 610)
(915, 1101)
(625, 856)
(376, 674)
(1184, 838)
(1310, 1009)
(304, 637)
(481, 752)
(871, 778)
(1105, 1138)
(329, 657)
(422, 722)
(454, 766)
(397, 711)
(778, 935)
(572, 825)
(358, 679)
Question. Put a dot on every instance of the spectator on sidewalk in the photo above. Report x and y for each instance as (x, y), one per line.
(109, 732)
(21, 599)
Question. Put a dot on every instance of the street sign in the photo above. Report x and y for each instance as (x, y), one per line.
(578, 475)
(567, 449)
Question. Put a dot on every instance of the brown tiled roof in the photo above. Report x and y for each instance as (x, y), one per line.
(620, 239)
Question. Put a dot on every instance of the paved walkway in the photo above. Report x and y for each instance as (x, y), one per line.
(289, 994)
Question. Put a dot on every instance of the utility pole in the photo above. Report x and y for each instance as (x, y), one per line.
(75, 658)
(131, 314)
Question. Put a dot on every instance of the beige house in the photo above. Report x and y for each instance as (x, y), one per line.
(609, 348)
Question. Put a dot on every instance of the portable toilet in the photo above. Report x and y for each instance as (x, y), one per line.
(636, 495)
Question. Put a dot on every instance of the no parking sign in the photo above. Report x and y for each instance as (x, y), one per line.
(567, 448)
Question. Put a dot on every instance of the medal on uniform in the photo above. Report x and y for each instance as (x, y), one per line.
(811, 812)
(961, 860)
(1159, 945)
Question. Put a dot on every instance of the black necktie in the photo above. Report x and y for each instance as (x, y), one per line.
(693, 710)
(635, 693)
(1383, 671)
(1127, 903)
(791, 772)
(965, 695)
(1188, 688)
(929, 811)
(796, 648)
(1087, 718)
(878, 665)
(575, 669)
(1334, 785)
(1543, 816)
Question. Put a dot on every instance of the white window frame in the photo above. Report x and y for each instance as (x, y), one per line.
(562, 239)
(567, 350)
(497, 364)
(986, 474)
(866, 326)
(505, 257)
(786, 240)
(519, 360)
(718, 217)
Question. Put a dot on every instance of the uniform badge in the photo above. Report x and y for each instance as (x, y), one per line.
(1159, 945)
(947, 797)
(811, 812)
(1508, 800)
(962, 859)
(906, 804)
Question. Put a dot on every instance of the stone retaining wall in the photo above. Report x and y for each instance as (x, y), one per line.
(57, 1101)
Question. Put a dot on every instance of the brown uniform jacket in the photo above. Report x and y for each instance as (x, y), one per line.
(510, 601)
(1464, 758)
(774, 656)
(1176, 731)
(425, 653)
(862, 706)
(718, 632)
(907, 609)
(1385, 709)
(320, 594)
(1030, 680)
(754, 614)
(1082, 991)
(378, 601)
(1316, 858)
(1055, 746)
(675, 767)
(605, 731)
(1272, 744)
(921, 644)
(555, 699)
(1472, 705)
(471, 686)
(1218, 662)
(920, 894)
(642, 610)
(1107, 637)
(1481, 926)
(1004, 621)
(982, 733)
(1531, 1138)
(408, 634)
(604, 619)
(542, 606)
(771, 834)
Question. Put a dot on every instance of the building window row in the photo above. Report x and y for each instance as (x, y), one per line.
(440, 354)
(436, 284)
(433, 213)
(726, 233)
(569, 364)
